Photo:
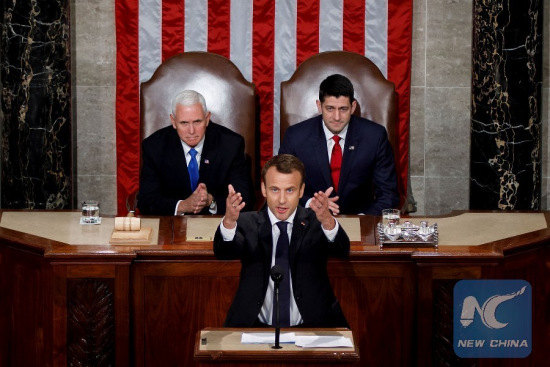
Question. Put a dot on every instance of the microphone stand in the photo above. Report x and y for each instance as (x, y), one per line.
(277, 324)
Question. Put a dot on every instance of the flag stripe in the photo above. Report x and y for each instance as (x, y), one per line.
(173, 28)
(219, 27)
(196, 25)
(284, 57)
(307, 30)
(263, 69)
(331, 15)
(376, 33)
(241, 36)
(354, 26)
(399, 71)
(127, 89)
(150, 41)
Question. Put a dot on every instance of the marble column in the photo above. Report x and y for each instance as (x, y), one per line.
(36, 102)
(505, 167)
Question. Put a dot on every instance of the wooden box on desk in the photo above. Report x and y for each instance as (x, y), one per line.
(223, 345)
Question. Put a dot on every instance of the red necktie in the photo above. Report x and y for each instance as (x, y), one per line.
(336, 162)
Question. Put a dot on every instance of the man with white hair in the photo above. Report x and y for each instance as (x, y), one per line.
(187, 166)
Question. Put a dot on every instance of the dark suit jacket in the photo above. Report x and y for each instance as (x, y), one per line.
(309, 250)
(368, 164)
(164, 176)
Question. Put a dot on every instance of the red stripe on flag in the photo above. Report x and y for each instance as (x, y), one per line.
(127, 101)
(399, 72)
(307, 30)
(263, 74)
(173, 27)
(354, 26)
(219, 20)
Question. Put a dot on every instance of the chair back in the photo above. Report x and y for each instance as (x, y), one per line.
(375, 95)
(230, 98)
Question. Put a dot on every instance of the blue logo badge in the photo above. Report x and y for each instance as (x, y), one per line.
(492, 319)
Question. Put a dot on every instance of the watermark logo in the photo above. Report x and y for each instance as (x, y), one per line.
(492, 319)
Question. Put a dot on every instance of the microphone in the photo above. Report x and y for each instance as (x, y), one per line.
(276, 276)
(277, 273)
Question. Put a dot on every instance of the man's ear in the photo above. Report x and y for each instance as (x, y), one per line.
(302, 190)
(264, 189)
(319, 106)
(207, 118)
(353, 106)
(172, 121)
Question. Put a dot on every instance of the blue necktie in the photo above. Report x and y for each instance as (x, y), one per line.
(193, 168)
(282, 259)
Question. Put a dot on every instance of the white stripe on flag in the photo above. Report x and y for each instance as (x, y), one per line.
(376, 33)
(150, 39)
(331, 35)
(196, 25)
(240, 44)
(284, 57)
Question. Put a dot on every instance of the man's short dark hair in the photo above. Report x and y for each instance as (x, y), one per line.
(336, 85)
(285, 163)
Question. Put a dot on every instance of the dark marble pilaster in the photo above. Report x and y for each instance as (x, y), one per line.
(36, 102)
(505, 169)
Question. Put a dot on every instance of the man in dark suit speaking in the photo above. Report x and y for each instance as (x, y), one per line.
(344, 151)
(187, 166)
(296, 239)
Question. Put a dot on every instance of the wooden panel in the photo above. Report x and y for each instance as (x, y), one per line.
(90, 322)
(29, 292)
(378, 302)
(175, 301)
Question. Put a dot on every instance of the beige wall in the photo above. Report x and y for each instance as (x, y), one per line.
(440, 103)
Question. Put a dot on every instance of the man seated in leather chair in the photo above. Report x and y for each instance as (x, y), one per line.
(344, 151)
(187, 166)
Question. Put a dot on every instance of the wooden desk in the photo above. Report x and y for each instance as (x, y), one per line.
(64, 304)
(224, 345)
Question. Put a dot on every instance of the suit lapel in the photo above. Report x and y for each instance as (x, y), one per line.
(321, 153)
(351, 144)
(266, 238)
(210, 150)
(177, 165)
(299, 227)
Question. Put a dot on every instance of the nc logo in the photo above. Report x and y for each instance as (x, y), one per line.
(487, 311)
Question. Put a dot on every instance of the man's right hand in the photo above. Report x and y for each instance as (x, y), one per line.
(233, 206)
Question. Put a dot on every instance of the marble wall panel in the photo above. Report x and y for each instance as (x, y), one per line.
(94, 50)
(506, 106)
(446, 194)
(417, 133)
(448, 43)
(36, 102)
(447, 125)
(95, 146)
(546, 109)
(418, 77)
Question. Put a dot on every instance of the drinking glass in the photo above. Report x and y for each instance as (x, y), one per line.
(390, 216)
(90, 212)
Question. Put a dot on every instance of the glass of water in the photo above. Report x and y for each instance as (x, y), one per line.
(90, 212)
(390, 216)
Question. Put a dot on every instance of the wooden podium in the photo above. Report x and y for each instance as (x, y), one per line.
(223, 345)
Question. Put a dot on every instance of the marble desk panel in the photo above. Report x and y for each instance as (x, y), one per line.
(65, 227)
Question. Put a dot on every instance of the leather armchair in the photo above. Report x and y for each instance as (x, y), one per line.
(230, 98)
(375, 95)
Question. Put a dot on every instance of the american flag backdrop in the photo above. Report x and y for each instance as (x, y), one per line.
(267, 40)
